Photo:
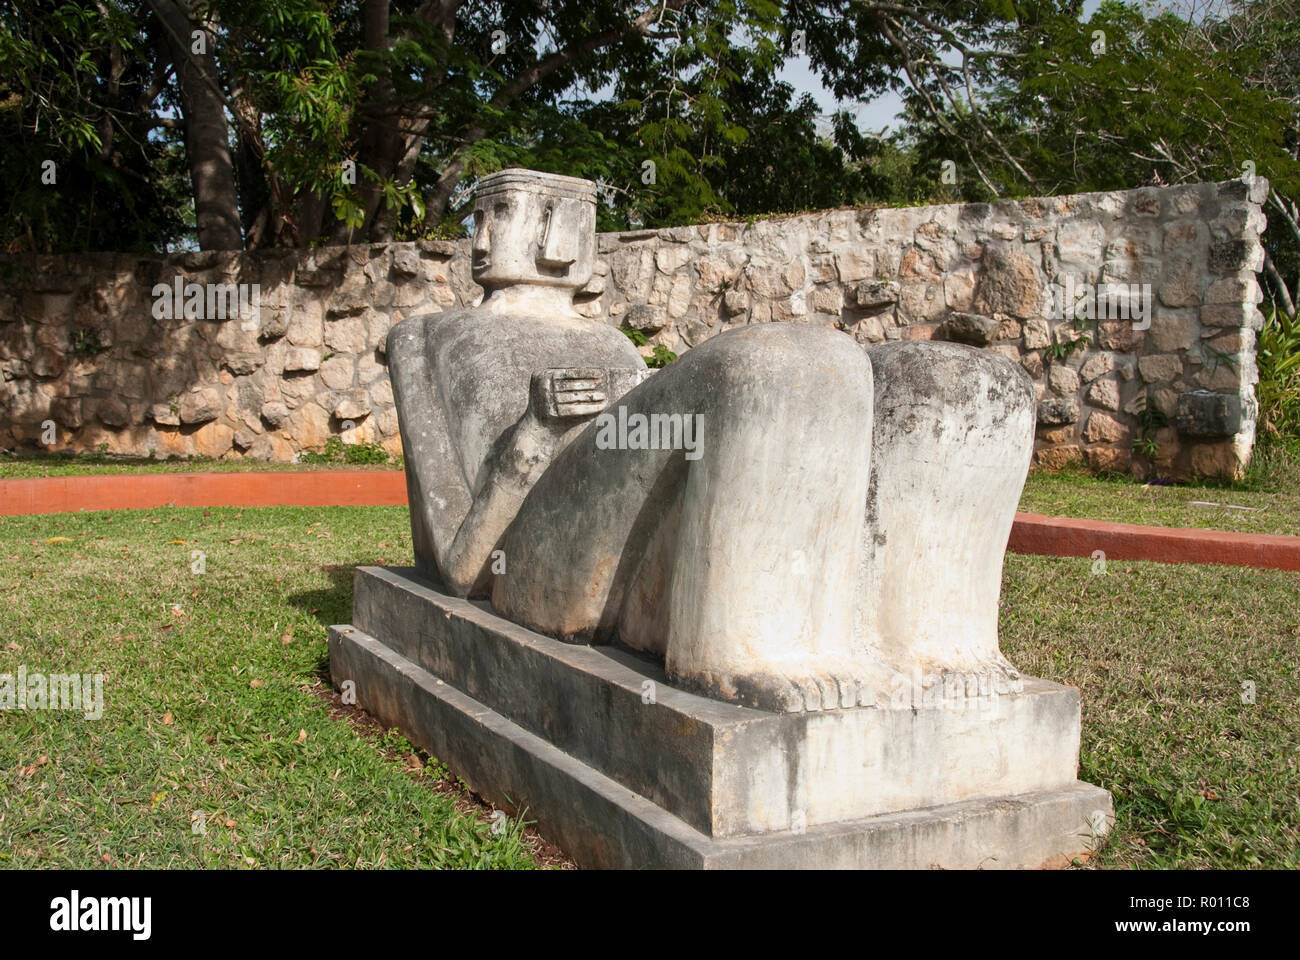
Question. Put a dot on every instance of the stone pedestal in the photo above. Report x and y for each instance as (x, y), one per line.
(620, 769)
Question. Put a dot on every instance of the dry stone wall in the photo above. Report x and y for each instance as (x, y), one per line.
(1115, 303)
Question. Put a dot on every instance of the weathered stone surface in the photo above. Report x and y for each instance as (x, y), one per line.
(1160, 368)
(970, 328)
(1037, 334)
(351, 406)
(1058, 410)
(338, 373)
(876, 293)
(1108, 459)
(165, 414)
(113, 412)
(201, 405)
(1103, 428)
(1097, 364)
(1062, 379)
(1055, 458)
(1104, 394)
(1204, 413)
(274, 413)
(645, 318)
(301, 359)
(1009, 283)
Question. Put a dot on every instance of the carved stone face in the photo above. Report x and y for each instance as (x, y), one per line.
(533, 228)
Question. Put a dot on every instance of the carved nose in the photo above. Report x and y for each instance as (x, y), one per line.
(482, 238)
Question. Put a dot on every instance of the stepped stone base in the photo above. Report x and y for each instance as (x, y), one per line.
(620, 769)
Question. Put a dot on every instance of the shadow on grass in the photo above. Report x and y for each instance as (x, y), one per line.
(329, 605)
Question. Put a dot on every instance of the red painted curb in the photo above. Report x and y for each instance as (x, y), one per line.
(307, 488)
(1067, 537)
(1031, 533)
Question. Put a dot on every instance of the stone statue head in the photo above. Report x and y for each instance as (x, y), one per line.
(533, 228)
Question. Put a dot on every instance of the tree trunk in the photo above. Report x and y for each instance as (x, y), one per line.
(207, 136)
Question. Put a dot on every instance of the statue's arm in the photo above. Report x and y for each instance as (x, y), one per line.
(559, 403)
(439, 494)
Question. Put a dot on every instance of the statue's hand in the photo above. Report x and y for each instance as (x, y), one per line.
(569, 393)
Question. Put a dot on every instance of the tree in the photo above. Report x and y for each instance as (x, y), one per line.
(357, 120)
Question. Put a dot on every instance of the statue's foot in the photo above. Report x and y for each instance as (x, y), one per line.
(925, 684)
(798, 686)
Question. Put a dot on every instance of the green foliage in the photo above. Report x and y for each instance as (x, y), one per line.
(86, 342)
(69, 76)
(661, 356)
(1278, 389)
(1151, 419)
(336, 451)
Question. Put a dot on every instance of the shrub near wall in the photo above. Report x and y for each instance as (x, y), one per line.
(81, 347)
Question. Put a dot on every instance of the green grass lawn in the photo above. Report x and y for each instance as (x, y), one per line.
(1123, 500)
(1266, 500)
(1160, 653)
(218, 706)
(57, 465)
(215, 705)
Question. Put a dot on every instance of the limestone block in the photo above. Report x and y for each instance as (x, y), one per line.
(213, 440)
(1096, 365)
(1104, 458)
(1206, 413)
(1181, 284)
(876, 293)
(309, 426)
(275, 413)
(649, 320)
(1037, 333)
(1058, 410)
(1119, 335)
(1173, 329)
(351, 406)
(735, 302)
(113, 412)
(166, 414)
(346, 335)
(970, 328)
(1103, 428)
(1160, 368)
(302, 359)
(201, 405)
(920, 302)
(1055, 458)
(672, 257)
(1079, 241)
(242, 364)
(1137, 270)
(1241, 288)
(1104, 394)
(1062, 379)
(1009, 283)
(406, 264)
(1234, 256)
(855, 265)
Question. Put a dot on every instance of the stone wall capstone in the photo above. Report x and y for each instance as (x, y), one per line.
(1135, 312)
